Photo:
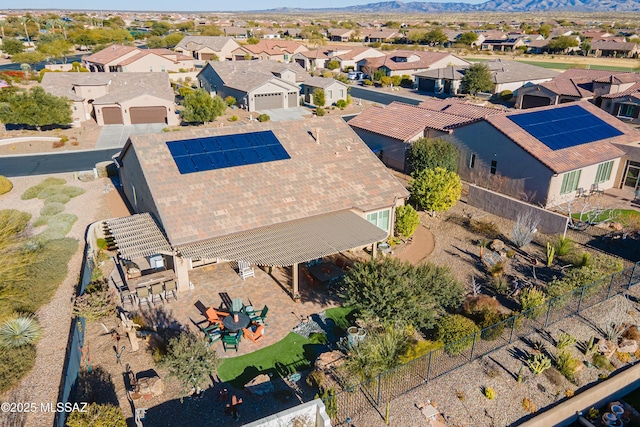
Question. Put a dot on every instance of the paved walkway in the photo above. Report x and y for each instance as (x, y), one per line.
(116, 135)
(421, 246)
(286, 114)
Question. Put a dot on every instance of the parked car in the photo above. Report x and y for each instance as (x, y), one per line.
(356, 75)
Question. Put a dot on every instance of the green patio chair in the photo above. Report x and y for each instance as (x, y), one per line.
(231, 341)
(259, 316)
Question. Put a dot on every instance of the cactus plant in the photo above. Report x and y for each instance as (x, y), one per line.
(538, 363)
(551, 252)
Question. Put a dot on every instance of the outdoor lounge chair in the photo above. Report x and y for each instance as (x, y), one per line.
(231, 341)
(254, 336)
(214, 316)
(259, 316)
(142, 294)
(170, 288)
(212, 332)
(245, 270)
(156, 292)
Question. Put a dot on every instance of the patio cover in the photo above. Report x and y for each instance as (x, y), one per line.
(138, 236)
(292, 242)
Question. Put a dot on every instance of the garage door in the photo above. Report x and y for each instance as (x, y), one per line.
(427, 85)
(112, 116)
(293, 99)
(268, 101)
(148, 115)
(530, 101)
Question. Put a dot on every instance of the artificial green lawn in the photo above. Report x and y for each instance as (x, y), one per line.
(342, 316)
(559, 65)
(624, 216)
(288, 355)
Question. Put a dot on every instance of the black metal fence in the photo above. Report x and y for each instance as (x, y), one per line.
(376, 391)
(74, 356)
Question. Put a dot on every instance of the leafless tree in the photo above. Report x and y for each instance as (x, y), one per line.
(525, 228)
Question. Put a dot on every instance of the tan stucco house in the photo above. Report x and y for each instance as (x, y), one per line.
(334, 90)
(120, 58)
(206, 48)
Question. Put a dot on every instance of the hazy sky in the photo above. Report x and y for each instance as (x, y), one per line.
(194, 5)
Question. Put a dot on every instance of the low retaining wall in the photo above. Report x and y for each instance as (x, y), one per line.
(611, 389)
(508, 207)
(29, 138)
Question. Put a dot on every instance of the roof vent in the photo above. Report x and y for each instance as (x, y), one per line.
(348, 147)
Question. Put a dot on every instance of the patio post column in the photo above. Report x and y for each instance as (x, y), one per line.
(294, 275)
(181, 266)
(374, 247)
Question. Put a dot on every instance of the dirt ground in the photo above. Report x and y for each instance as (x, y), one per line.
(566, 59)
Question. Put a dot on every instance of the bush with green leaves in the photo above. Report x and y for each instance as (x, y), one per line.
(563, 246)
(601, 362)
(418, 349)
(435, 190)
(51, 209)
(600, 266)
(532, 302)
(97, 416)
(320, 112)
(380, 351)
(392, 290)
(456, 332)
(263, 118)
(567, 364)
(407, 221)
(19, 331)
(5, 185)
(58, 226)
(200, 107)
(32, 192)
(341, 104)
(319, 98)
(489, 393)
(427, 153)
(230, 101)
(564, 340)
(190, 360)
(96, 302)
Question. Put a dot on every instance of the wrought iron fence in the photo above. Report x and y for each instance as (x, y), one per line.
(375, 392)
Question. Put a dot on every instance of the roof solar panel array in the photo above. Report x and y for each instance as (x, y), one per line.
(565, 127)
(225, 151)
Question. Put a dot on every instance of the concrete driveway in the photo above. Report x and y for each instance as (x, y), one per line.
(285, 114)
(116, 135)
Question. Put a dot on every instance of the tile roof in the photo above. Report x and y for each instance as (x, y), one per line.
(632, 90)
(404, 121)
(501, 71)
(461, 108)
(570, 87)
(121, 86)
(322, 82)
(110, 54)
(611, 45)
(567, 159)
(426, 60)
(248, 75)
(215, 43)
(275, 46)
(164, 53)
(334, 172)
(619, 78)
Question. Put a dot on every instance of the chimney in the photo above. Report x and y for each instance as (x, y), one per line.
(317, 135)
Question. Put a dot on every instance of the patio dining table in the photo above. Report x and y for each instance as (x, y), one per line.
(151, 279)
(326, 272)
(232, 325)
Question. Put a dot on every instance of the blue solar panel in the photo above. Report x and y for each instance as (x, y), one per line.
(565, 127)
(218, 152)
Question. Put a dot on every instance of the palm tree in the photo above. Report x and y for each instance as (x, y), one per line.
(2, 24)
(36, 20)
(23, 21)
(51, 23)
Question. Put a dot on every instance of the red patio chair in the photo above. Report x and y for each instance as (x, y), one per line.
(254, 336)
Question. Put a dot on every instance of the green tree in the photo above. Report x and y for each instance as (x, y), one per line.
(544, 30)
(477, 78)
(185, 26)
(396, 291)
(456, 332)
(155, 42)
(190, 360)
(11, 46)
(211, 30)
(173, 39)
(28, 58)
(436, 37)
(56, 49)
(318, 97)
(468, 38)
(585, 48)
(200, 107)
(436, 189)
(333, 65)
(160, 28)
(97, 416)
(253, 40)
(562, 43)
(429, 153)
(407, 220)
(36, 108)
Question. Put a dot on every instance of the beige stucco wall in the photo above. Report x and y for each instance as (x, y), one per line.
(515, 86)
(271, 87)
(156, 63)
(586, 181)
(141, 101)
(91, 92)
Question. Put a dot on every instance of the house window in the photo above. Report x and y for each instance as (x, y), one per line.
(604, 172)
(380, 219)
(472, 161)
(341, 93)
(626, 110)
(162, 68)
(329, 95)
(286, 57)
(151, 68)
(494, 166)
(133, 193)
(570, 182)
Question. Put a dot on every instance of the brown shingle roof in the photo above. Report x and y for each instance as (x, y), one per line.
(571, 158)
(404, 121)
(338, 172)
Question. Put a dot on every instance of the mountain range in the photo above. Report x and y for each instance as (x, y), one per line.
(488, 6)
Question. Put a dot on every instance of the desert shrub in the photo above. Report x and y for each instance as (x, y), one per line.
(506, 95)
(500, 285)
(341, 104)
(528, 405)
(567, 364)
(32, 192)
(601, 362)
(496, 269)
(563, 246)
(417, 349)
(623, 357)
(491, 325)
(14, 364)
(367, 82)
(489, 393)
(230, 101)
(555, 377)
(456, 332)
(101, 243)
(631, 333)
(50, 191)
(72, 191)
(531, 302)
(19, 331)
(316, 379)
(97, 416)
(320, 112)
(51, 209)
(233, 118)
(407, 221)
(263, 118)
(485, 228)
(57, 198)
(94, 304)
(524, 229)
(57, 144)
(5, 185)
(481, 303)
(597, 268)
(59, 226)
(564, 340)
(40, 221)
